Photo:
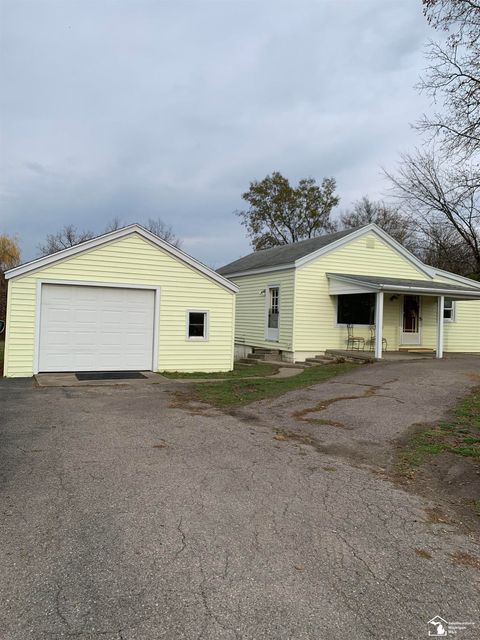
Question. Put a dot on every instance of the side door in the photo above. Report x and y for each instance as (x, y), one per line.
(272, 313)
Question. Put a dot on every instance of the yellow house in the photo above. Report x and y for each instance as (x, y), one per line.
(355, 289)
(126, 300)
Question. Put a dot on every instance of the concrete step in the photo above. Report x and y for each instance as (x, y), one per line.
(280, 363)
(323, 359)
(265, 350)
(362, 357)
(264, 355)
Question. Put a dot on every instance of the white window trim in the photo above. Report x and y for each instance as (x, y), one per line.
(111, 285)
(453, 309)
(205, 337)
(267, 304)
(345, 324)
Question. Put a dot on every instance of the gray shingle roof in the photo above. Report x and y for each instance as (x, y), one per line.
(407, 283)
(284, 255)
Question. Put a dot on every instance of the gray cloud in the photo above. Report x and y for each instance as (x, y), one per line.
(143, 108)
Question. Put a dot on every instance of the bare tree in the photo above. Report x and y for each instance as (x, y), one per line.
(154, 225)
(442, 247)
(163, 231)
(452, 78)
(68, 236)
(389, 218)
(114, 224)
(440, 197)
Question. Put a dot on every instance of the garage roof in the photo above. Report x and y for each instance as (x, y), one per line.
(131, 229)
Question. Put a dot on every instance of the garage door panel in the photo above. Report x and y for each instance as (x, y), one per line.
(84, 328)
(58, 315)
(115, 317)
(84, 339)
(84, 316)
(112, 340)
(58, 338)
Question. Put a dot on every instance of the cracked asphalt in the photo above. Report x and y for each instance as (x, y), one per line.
(124, 518)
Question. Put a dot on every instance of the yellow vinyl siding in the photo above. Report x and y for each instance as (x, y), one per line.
(463, 334)
(133, 260)
(251, 305)
(315, 318)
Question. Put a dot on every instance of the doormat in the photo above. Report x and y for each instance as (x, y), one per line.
(108, 375)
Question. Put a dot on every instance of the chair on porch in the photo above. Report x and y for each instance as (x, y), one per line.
(354, 342)
(371, 340)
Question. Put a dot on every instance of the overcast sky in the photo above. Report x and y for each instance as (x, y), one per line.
(138, 109)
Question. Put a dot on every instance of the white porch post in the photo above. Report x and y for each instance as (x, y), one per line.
(441, 304)
(378, 324)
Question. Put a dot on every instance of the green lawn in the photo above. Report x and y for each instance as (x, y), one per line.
(239, 371)
(460, 436)
(235, 393)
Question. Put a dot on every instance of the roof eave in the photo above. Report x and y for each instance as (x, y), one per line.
(45, 261)
(392, 288)
(254, 272)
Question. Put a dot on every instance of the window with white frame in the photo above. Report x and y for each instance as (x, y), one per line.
(449, 310)
(357, 308)
(197, 325)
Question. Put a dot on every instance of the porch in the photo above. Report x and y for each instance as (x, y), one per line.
(390, 315)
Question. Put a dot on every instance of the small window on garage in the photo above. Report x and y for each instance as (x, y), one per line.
(197, 325)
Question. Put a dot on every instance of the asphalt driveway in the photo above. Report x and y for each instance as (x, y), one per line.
(125, 518)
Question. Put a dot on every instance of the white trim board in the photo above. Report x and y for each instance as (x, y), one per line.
(112, 236)
(86, 283)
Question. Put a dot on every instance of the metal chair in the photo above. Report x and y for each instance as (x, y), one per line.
(371, 340)
(354, 342)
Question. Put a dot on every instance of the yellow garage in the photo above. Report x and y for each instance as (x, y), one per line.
(126, 300)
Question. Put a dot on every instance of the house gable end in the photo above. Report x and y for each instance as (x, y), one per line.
(369, 252)
(371, 236)
(94, 244)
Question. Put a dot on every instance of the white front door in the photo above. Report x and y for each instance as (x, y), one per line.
(85, 328)
(273, 314)
(410, 322)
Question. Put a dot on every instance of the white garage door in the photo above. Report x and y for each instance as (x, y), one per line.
(95, 328)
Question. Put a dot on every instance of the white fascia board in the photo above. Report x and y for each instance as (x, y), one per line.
(392, 288)
(348, 289)
(426, 291)
(254, 272)
(429, 271)
(112, 236)
(342, 283)
(457, 278)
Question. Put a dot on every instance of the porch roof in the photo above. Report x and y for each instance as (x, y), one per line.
(345, 283)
